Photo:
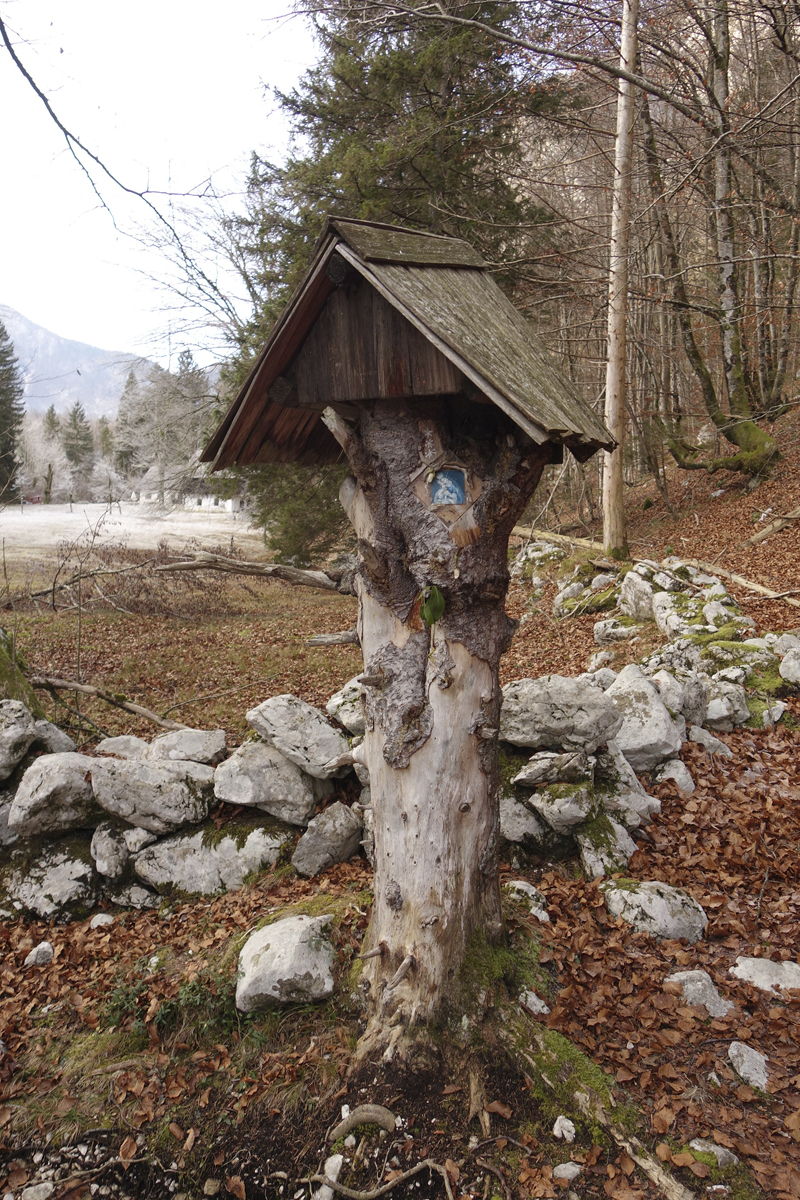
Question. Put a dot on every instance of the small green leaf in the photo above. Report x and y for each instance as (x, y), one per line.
(433, 608)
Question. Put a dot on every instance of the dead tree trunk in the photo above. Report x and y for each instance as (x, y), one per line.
(431, 691)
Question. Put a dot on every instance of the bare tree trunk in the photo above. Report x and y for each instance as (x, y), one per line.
(614, 534)
(432, 693)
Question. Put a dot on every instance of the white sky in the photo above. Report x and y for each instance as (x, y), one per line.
(167, 93)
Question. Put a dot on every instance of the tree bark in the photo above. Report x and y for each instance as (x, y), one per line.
(614, 535)
(432, 694)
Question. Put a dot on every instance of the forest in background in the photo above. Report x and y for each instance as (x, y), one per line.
(496, 123)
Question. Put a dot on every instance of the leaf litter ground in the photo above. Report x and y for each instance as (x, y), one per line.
(127, 1053)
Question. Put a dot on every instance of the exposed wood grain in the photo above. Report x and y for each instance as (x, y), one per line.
(390, 243)
(774, 527)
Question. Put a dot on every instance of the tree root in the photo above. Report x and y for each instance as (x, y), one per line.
(350, 1194)
(365, 1114)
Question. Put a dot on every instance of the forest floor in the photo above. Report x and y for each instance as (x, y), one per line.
(126, 1069)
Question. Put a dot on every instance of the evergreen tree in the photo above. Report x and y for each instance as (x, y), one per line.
(77, 440)
(410, 124)
(12, 410)
(52, 424)
(105, 438)
(128, 431)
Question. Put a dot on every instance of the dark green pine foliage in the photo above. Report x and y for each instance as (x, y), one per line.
(12, 410)
(422, 126)
(52, 424)
(77, 440)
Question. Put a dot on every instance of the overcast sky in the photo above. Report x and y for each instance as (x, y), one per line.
(168, 93)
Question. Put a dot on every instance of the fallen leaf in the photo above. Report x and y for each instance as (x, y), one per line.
(191, 1137)
(700, 1169)
(176, 1130)
(5, 1115)
(684, 1159)
(502, 1110)
(17, 1177)
(627, 1164)
(662, 1120)
(234, 1185)
(453, 1172)
(450, 1089)
(127, 1151)
(663, 1151)
(501, 1143)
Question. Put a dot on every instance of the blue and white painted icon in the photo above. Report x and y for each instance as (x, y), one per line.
(449, 487)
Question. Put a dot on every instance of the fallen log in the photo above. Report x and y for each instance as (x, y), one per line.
(204, 561)
(774, 527)
(346, 638)
(45, 683)
(740, 581)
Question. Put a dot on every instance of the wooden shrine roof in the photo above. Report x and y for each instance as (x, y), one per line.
(444, 291)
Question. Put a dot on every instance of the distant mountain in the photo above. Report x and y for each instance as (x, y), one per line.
(59, 371)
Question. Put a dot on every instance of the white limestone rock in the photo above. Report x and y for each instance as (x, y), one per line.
(52, 739)
(521, 826)
(300, 732)
(124, 746)
(698, 989)
(612, 630)
(786, 642)
(187, 863)
(109, 850)
(549, 767)
(520, 889)
(188, 745)
(790, 666)
(571, 592)
(7, 836)
(563, 806)
(716, 614)
(17, 735)
(259, 776)
(727, 705)
(333, 836)
(676, 770)
(133, 896)
(40, 955)
(636, 597)
(557, 713)
(671, 691)
(288, 962)
(767, 975)
(54, 796)
(647, 735)
(601, 658)
(656, 908)
(159, 796)
(569, 1171)
(345, 707)
(534, 1003)
(712, 744)
(56, 884)
(137, 839)
(749, 1065)
(724, 1157)
(604, 850)
(101, 921)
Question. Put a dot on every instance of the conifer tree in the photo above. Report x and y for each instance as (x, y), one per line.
(77, 438)
(12, 410)
(52, 424)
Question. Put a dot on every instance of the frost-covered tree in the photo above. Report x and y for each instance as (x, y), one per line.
(12, 411)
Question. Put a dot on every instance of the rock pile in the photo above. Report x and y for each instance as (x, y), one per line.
(132, 822)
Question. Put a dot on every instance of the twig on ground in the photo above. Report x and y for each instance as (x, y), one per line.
(486, 1166)
(428, 1164)
(86, 689)
(216, 695)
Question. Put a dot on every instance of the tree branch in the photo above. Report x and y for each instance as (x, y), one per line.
(86, 689)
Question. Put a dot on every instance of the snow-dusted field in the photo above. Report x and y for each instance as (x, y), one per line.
(41, 528)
